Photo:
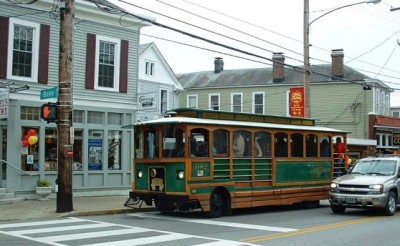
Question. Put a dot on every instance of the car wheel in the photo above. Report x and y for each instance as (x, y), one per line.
(390, 208)
(338, 209)
(216, 205)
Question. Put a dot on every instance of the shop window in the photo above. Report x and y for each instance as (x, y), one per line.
(30, 149)
(95, 150)
(115, 119)
(30, 113)
(95, 118)
(114, 150)
(50, 150)
(78, 147)
(78, 116)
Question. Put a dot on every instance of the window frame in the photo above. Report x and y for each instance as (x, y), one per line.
(149, 68)
(233, 95)
(210, 106)
(166, 100)
(254, 102)
(196, 100)
(117, 57)
(35, 50)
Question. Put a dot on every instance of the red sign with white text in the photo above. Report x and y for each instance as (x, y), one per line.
(297, 101)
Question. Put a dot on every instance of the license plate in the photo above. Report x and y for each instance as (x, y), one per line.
(350, 200)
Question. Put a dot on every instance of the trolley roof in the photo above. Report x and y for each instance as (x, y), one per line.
(197, 121)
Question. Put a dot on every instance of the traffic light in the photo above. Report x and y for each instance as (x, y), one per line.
(48, 112)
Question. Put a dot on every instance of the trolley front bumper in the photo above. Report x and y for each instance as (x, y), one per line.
(164, 202)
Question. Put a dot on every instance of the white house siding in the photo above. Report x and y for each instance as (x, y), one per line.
(106, 180)
(150, 86)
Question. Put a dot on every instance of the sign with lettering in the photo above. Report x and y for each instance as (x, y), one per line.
(4, 97)
(396, 139)
(147, 100)
(297, 101)
(49, 93)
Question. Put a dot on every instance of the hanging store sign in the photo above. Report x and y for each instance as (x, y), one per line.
(4, 99)
(297, 101)
(396, 139)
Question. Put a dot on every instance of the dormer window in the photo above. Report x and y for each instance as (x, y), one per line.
(149, 68)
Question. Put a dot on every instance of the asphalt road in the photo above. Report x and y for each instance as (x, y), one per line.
(285, 225)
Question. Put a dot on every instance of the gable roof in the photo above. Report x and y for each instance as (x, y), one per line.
(263, 76)
(152, 45)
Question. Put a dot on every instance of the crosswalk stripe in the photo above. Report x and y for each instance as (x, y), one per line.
(88, 235)
(55, 229)
(143, 241)
(24, 224)
(217, 223)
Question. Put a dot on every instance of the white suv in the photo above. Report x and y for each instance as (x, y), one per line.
(370, 183)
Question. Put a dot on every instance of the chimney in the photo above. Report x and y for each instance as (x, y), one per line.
(278, 67)
(218, 65)
(337, 64)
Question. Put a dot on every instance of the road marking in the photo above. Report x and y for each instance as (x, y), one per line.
(216, 223)
(109, 237)
(309, 230)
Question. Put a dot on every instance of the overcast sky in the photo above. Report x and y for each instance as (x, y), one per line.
(368, 34)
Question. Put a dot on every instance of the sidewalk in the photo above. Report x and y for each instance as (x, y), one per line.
(33, 209)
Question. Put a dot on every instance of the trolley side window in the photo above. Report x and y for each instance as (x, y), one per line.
(263, 140)
(242, 146)
(221, 142)
(296, 145)
(199, 143)
(281, 144)
(151, 137)
(325, 146)
(173, 142)
(311, 145)
(138, 143)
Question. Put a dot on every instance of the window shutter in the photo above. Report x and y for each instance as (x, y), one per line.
(123, 72)
(4, 32)
(90, 60)
(44, 54)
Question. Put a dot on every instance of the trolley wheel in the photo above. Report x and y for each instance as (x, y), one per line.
(217, 205)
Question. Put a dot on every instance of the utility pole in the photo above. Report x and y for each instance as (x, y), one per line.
(306, 73)
(64, 194)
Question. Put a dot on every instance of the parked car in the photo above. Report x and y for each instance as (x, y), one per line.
(371, 183)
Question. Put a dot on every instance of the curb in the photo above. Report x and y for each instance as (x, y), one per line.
(106, 211)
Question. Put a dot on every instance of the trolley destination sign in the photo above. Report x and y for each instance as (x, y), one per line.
(49, 93)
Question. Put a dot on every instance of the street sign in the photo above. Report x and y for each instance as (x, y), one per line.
(49, 93)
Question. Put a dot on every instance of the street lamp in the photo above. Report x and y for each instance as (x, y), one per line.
(306, 35)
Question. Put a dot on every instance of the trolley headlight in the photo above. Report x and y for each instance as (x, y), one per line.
(140, 174)
(376, 188)
(180, 174)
